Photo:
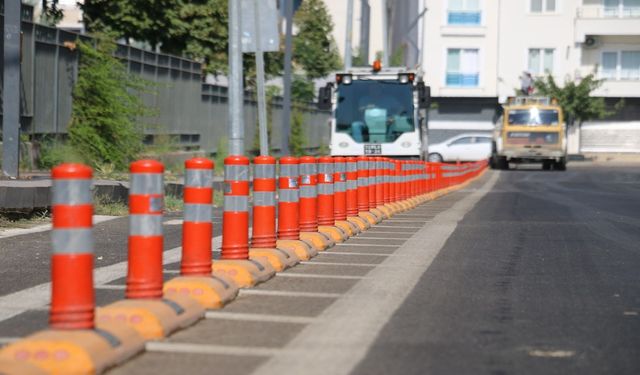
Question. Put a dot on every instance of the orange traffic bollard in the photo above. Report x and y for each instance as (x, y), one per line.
(363, 191)
(263, 239)
(352, 195)
(401, 185)
(383, 167)
(374, 189)
(195, 280)
(145, 309)
(72, 295)
(234, 259)
(308, 181)
(326, 214)
(288, 210)
(340, 197)
(74, 344)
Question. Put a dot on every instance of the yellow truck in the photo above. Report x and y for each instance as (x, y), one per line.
(530, 130)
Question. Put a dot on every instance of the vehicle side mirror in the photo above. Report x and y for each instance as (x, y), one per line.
(324, 97)
(424, 96)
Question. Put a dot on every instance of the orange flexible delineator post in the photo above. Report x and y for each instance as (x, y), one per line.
(288, 210)
(340, 197)
(308, 208)
(264, 242)
(373, 188)
(146, 203)
(326, 214)
(197, 228)
(72, 293)
(352, 195)
(363, 191)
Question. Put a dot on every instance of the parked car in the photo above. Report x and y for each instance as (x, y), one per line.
(463, 147)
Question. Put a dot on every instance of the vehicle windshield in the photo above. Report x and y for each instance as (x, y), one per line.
(533, 116)
(374, 111)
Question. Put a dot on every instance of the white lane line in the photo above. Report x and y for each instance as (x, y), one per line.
(430, 217)
(398, 226)
(286, 293)
(259, 317)
(407, 221)
(319, 276)
(97, 219)
(111, 287)
(364, 245)
(316, 263)
(175, 347)
(352, 253)
(377, 238)
(8, 340)
(39, 296)
(366, 308)
(372, 231)
(171, 272)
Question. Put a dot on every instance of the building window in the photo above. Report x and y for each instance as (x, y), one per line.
(464, 12)
(463, 68)
(621, 65)
(622, 8)
(540, 61)
(540, 6)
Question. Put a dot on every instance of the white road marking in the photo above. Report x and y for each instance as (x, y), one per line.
(377, 238)
(171, 272)
(352, 253)
(111, 287)
(398, 226)
(173, 222)
(175, 347)
(364, 245)
(286, 293)
(407, 221)
(8, 340)
(97, 219)
(318, 276)
(365, 309)
(371, 231)
(259, 317)
(315, 263)
(552, 353)
(39, 296)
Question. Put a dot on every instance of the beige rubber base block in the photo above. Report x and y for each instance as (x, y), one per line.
(245, 273)
(349, 228)
(73, 351)
(378, 213)
(362, 224)
(320, 241)
(212, 292)
(153, 318)
(396, 207)
(387, 211)
(279, 259)
(302, 249)
(370, 217)
(16, 367)
(404, 204)
(334, 232)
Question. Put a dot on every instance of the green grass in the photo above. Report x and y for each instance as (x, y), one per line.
(104, 205)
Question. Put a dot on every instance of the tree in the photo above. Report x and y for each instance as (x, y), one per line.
(313, 47)
(575, 98)
(103, 124)
(51, 14)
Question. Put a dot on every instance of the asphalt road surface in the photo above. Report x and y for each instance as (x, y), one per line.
(521, 272)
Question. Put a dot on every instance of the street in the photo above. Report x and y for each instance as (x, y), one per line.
(522, 271)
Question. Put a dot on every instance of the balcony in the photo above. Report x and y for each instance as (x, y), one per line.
(601, 20)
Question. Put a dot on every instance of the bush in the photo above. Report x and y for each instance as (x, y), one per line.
(105, 107)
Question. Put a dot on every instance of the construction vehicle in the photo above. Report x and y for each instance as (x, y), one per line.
(530, 130)
(377, 111)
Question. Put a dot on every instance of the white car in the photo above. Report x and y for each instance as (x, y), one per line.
(462, 147)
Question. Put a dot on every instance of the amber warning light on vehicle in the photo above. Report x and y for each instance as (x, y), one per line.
(377, 66)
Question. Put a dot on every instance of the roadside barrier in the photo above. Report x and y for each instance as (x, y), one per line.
(326, 214)
(352, 195)
(144, 308)
(196, 280)
(234, 258)
(340, 197)
(364, 191)
(289, 210)
(74, 343)
(373, 189)
(308, 208)
(264, 216)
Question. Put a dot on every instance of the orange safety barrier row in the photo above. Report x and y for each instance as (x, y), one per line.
(319, 201)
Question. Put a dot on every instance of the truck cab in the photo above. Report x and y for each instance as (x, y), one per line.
(530, 130)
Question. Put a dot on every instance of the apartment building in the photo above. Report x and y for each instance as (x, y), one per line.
(474, 53)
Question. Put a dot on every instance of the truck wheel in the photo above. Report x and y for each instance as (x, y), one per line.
(503, 163)
(560, 165)
(546, 165)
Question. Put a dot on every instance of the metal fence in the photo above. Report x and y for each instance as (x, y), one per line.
(194, 114)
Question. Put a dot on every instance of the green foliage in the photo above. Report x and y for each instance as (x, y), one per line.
(575, 98)
(357, 58)
(53, 152)
(103, 124)
(222, 151)
(270, 92)
(302, 90)
(397, 57)
(313, 47)
(297, 139)
(51, 14)
(105, 205)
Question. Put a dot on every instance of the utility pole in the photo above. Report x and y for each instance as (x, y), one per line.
(365, 14)
(385, 34)
(11, 90)
(236, 91)
(262, 110)
(349, 33)
(288, 52)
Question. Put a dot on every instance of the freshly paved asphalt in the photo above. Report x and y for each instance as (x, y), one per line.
(540, 276)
